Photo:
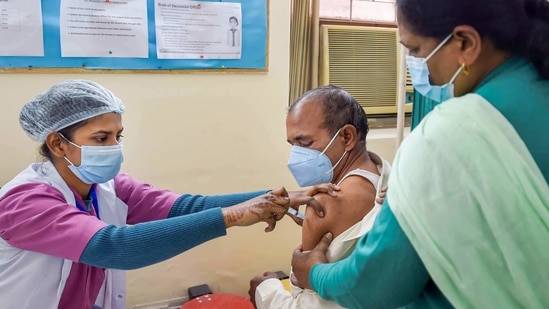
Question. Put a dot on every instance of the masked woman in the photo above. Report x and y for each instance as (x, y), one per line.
(466, 217)
(64, 242)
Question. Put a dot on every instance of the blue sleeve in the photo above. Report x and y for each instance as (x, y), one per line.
(187, 204)
(384, 270)
(143, 244)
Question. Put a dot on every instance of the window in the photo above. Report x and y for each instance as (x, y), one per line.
(359, 10)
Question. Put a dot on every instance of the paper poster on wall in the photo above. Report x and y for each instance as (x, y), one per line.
(99, 28)
(134, 35)
(21, 31)
(198, 30)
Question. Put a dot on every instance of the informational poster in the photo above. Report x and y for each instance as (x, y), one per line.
(198, 30)
(156, 35)
(99, 28)
(21, 31)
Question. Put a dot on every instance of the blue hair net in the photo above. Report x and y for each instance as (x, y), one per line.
(65, 104)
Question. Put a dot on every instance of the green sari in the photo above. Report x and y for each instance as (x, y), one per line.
(490, 197)
(480, 223)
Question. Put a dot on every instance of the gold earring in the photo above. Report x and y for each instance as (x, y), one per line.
(465, 69)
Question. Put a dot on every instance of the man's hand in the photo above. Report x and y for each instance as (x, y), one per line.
(302, 262)
(256, 281)
(305, 197)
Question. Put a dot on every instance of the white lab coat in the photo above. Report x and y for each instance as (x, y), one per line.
(34, 280)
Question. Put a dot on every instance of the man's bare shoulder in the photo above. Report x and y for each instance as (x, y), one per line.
(354, 200)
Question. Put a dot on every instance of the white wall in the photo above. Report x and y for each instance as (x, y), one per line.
(208, 133)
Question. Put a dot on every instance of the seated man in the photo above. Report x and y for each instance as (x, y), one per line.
(327, 129)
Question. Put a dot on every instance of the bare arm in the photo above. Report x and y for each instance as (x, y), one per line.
(353, 202)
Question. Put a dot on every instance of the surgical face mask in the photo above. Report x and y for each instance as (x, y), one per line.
(419, 73)
(311, 167)
(98, 164)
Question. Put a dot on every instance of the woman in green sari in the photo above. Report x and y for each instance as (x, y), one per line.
(466, 220)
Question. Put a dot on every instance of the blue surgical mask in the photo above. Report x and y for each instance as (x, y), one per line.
(419, 73)
(98, 164)
(311, 167)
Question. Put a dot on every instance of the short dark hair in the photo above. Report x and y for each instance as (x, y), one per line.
(339, 107)
(233, 18)
(517, 26)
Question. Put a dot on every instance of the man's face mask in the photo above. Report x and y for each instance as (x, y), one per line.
(98, 164)
(311, 167)
(419, 73)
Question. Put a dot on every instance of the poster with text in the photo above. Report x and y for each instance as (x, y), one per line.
(99, 28)
(198, 30)
(21, 30)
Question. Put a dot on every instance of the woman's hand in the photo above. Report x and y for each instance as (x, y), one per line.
(328, 188)
(381, 197)
(303, 262)
(269, 207)
(305, 197)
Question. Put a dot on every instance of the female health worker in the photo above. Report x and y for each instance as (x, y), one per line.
(64, 242)
(466, 220)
